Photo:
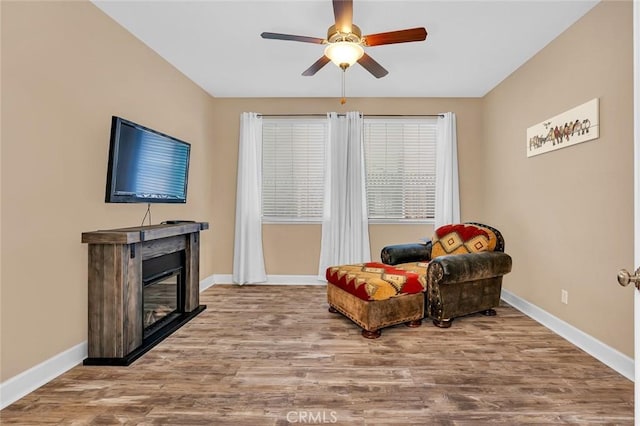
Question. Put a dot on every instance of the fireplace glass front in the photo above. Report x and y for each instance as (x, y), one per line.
(163, 285)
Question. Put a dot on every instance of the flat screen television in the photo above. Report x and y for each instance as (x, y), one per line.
(145, 166)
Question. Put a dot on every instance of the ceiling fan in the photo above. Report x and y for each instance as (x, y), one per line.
(345, 41)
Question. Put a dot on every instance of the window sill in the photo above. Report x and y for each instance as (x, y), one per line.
(291, 221)
(401, 222)
(306, 221)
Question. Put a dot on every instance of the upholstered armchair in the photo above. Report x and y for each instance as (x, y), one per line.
(466, 263)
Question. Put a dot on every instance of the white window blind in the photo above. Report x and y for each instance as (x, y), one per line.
(293, 163)
(400, 162)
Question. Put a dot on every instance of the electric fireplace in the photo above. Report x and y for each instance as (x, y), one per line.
(143, 285)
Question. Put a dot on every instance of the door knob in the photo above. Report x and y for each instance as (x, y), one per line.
(624, 278)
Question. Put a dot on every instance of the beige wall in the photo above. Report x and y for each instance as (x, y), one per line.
(568, 215)
(66, 68)
(295, 249)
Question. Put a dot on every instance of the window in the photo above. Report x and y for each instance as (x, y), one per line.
(293, 169)
(400, 163)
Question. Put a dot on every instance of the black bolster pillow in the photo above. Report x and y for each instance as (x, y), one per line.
(404, 253)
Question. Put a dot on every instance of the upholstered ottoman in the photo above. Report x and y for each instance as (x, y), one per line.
(375, 295)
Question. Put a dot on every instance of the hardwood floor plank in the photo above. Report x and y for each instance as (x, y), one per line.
(274, 355)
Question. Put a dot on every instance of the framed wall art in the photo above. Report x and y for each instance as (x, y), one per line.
(577, 125)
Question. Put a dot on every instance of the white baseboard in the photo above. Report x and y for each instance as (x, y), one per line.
(207, 282)
(26, 382)
(276, 280)
(600, 351)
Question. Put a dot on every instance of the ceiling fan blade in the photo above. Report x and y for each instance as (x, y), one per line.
(401, 36)
(316, 66)
(343, 12)
(290, 37)
(372, 66)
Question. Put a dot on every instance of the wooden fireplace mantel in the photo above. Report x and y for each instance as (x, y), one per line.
(116, 327)
(138, 234)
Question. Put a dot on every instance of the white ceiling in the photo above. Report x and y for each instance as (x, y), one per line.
(471, 47)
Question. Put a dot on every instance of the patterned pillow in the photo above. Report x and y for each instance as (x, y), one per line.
(460, 239)
(493, 238)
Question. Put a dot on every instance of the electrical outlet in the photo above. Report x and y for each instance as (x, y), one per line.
(564, 297)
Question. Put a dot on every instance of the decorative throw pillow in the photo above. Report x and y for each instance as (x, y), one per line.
(460, 239)
(493, 238)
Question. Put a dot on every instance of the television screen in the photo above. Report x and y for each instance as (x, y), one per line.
(145, 166)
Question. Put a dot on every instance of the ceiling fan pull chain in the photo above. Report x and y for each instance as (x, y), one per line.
(344, 97)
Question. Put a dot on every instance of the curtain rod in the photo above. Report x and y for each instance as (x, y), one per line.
(342, 115)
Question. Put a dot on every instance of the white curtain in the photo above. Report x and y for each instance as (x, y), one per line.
(447, 209)
(345, 224)
(248, 258)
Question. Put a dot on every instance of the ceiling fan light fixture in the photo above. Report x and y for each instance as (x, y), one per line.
(344, 53)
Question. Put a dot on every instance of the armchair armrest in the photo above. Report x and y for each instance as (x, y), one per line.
(404, 253)
(467, 267)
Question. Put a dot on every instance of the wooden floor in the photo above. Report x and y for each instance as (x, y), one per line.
(273, 355)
